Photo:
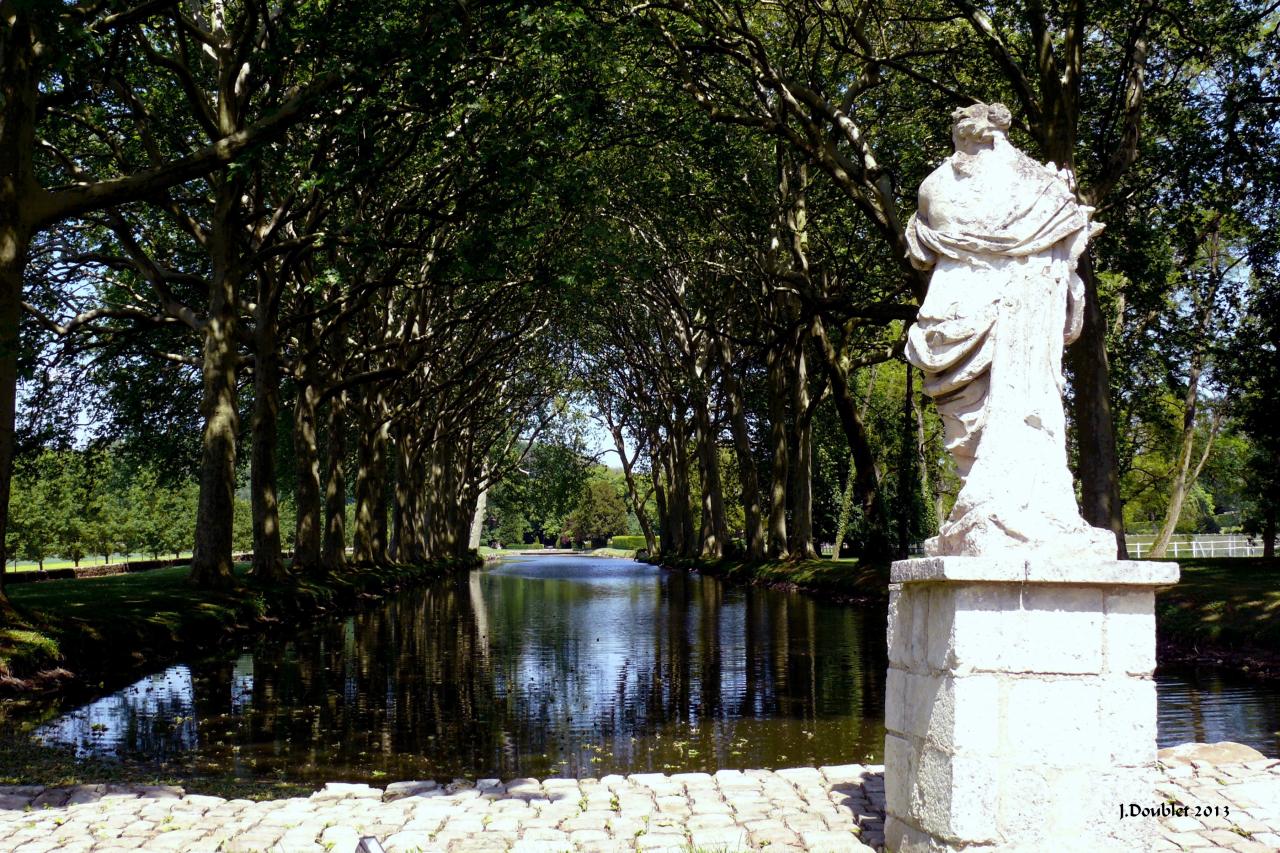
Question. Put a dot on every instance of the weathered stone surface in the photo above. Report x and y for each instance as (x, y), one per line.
(400, 790)
(1034, 568)
(1224, 752)
(1017, 712)
(346, 791)
(808, 810)
(1001, 235)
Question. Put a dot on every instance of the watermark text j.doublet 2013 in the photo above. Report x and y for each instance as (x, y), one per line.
(1172, 810)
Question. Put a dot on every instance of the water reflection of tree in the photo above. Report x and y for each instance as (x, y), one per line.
(503, 675)
(153, 716)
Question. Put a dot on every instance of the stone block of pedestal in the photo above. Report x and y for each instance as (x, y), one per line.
(1020, 710)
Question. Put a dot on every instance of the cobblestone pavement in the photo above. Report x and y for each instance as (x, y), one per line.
(832, 809)
(827, 810)
(1230, 806)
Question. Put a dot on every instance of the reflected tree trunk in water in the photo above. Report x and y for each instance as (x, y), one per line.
(710, 603)
(511, 672)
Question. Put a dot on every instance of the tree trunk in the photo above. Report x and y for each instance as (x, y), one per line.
(334, 555)
(714, 529)
(211, 565)
(368, 541)
(267, 562)
(398, 498)
(477, 520)
(922, 461)
(747, 476)
(19, 82)
(430, 491)
(306, 548)
(877, 545)
(14, 245)
(1095, 431)
(407, 545)
(659, 494)
(846, 509)
(802, 470)
(777, 377)
(907, 479)
(1269, 532)
(679, 505)
(633, 491)
(1182, 480)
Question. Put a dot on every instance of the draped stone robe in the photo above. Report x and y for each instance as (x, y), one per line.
(1002, 234)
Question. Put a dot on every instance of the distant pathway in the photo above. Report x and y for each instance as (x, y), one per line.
(832, 809)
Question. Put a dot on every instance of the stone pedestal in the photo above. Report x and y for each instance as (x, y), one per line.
(1020, 708)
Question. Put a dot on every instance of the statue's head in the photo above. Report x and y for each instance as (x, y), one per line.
(978, 125)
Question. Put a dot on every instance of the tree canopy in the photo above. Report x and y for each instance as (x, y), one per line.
(311, 276)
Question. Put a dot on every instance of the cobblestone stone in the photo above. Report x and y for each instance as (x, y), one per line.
(837, 809)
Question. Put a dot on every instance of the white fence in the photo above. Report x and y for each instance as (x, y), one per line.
(1201, 545)
(1206, 545)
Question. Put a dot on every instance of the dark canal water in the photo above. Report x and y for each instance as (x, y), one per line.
(560, 666)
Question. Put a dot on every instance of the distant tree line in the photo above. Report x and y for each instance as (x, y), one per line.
(73, 504)
(558, 496)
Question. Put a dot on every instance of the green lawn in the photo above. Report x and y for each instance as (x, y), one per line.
(126, 621)
(155, 595)
(50, 565)
(612, 552)
(1223, 603)
(150, 612)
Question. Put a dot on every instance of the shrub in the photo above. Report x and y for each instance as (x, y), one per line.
(627, 543)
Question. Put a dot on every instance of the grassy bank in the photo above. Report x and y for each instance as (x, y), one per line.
(69, 630)
(1223, 611)
(844, 580)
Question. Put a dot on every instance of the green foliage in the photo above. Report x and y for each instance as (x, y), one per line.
(600, 511)
(525, 189)
(540, 493)
(73, 503)
(510, 528)
(627, 543)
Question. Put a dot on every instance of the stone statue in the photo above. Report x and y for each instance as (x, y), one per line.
(1002, 234)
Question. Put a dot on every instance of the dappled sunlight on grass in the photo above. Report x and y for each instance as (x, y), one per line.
(1231, 602)
(151, 616)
